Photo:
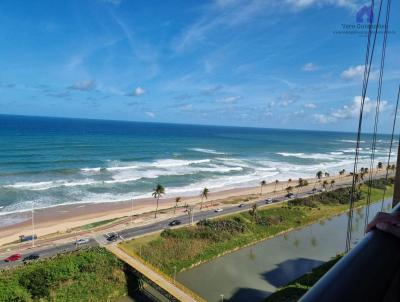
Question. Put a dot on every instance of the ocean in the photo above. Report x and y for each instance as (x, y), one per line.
(54, 161)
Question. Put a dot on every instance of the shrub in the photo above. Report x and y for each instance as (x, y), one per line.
(91, 275)
(341, 196)
(380, 183)
(305, 202)
(223, 225)
(269, 221)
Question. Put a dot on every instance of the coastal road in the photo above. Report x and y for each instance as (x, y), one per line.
(129, 233)
(48, 251)
(100, 239)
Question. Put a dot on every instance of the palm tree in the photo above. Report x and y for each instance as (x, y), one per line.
(204, 194)
(262, 184)
(253, 211)
(332, 183)
(276, 182)
(325, 184)
(158, 191)
(177, 200)
(380, 165)
(289, 189)
(300, 182)
(319, 176)
(327, 174)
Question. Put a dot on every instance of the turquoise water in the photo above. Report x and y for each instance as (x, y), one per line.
(53, 161)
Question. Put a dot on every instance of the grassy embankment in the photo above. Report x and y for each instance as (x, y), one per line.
(87, 275)
(184, 247)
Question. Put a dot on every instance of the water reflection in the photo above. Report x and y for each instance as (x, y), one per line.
(252, 255)
(314, 242)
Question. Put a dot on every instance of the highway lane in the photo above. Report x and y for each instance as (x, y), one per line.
(49, 251)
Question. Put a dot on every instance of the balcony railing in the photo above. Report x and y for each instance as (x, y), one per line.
(369, 272)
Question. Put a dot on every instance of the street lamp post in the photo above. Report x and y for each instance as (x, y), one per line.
(132, 211)
(174, 273)
(33, 224)
(222, 298)
(190, 210)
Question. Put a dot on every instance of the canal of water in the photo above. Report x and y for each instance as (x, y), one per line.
(253, 273)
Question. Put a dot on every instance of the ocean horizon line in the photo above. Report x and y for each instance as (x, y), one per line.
(184, 124)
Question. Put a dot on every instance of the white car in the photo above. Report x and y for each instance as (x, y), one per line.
(268, 200)
(218, 210)
(82, 241)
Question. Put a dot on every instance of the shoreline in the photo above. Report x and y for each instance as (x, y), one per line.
(62, 219)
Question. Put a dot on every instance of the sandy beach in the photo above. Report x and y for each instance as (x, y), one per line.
(65, 219)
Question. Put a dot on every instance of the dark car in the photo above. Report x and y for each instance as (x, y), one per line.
(112, 237)
(174, 222)
(13, 257)
(31, 257)
(290, 195)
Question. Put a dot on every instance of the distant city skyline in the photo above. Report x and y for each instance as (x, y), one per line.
(286, 64)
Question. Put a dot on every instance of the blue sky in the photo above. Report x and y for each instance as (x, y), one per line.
(262, 63)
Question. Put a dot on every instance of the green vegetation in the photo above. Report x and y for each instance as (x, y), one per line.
(380, 183)
(184, 247)
(86, 275)
(297, 288)
(97, 224)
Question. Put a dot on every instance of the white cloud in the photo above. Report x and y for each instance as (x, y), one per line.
(323, 118)
(138, 91)
(310, 67)
(229, 99)
(287, 99)
(224, 3)
(357, 73)
(186, 107)
(223, 14)
(271, 104)
(303, 4)
(114, 2)
(310, 106)
(350, 111)
(219, 15)
(353, 72)
(150, 114)
(84, 85)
